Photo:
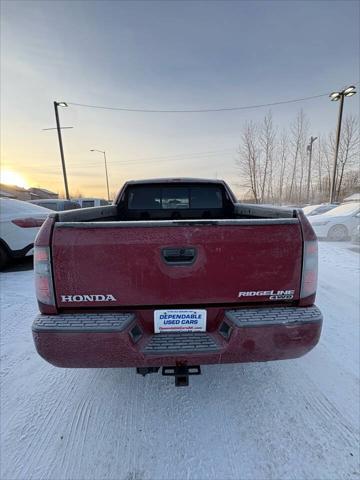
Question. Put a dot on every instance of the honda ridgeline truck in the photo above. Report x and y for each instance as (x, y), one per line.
(175, 274)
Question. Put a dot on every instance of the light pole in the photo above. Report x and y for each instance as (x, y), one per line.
(309, 149)
(335, 96)
(106, 172)
(56, 105)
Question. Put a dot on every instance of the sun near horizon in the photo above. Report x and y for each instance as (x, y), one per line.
(12, 178)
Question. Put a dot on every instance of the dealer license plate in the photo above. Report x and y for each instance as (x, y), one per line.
(179, 321)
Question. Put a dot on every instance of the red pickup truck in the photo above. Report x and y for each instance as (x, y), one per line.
(175, 274)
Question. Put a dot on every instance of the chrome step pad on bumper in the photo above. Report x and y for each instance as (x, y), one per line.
(181, 342)
(256, 317)
(83, 322)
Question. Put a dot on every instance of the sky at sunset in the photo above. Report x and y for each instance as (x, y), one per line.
(162, 55)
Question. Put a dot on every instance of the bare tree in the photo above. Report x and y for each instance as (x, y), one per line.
(319, 161)
(282, 162)
(349, 148)
(249, 159)
(351, 182)
(328, 152)
(267, 140)
(273, 168)
(304, 159)
(298, 133)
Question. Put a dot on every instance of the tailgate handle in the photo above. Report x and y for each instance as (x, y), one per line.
(179, 256)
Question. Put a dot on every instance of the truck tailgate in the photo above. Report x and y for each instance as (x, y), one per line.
(113, 265)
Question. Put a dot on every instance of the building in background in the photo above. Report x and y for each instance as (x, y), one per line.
(12, 191)
(5, 194)
(19, 193)
(42, 193)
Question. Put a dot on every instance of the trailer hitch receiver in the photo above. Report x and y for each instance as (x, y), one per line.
(181, 373)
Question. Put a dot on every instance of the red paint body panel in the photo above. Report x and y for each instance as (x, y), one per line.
(127, 263)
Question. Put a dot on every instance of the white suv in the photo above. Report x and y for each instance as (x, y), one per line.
(19, 225)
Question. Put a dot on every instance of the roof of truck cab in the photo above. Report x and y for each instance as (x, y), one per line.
(174, 180)
(154, 181)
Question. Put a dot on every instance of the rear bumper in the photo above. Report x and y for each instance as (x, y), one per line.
(120, 339)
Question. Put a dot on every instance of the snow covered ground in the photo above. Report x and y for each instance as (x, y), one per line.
(296, 419)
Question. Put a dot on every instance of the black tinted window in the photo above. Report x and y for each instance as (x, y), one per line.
(206, 197)
(174, 197)
(87, 203)
(144, 198)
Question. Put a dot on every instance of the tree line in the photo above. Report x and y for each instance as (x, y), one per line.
(274, 165)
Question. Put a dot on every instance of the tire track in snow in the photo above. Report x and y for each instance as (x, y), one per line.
(226, 425)
(75, 431)
(77, 437)
(46, 423)
(325, 412)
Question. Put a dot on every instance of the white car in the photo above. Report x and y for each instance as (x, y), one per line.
(57, 204)
(337, 224)
(19, 225)
(319, 209)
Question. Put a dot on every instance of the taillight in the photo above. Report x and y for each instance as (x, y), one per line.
(43, 277)
(28, 222)
(310, 269)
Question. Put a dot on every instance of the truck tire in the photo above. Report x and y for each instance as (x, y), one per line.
(338, 233)
(4, 257)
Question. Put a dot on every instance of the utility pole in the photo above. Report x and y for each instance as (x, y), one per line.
(309, 149)
(335, 96)
(56, 105)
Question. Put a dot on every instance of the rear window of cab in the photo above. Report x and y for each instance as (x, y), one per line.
(174, 197)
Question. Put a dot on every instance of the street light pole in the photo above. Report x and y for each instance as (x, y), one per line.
(107, 178)
(338, 132)
(56, 105)
(335, 96)
(106, 171)
(309, 149)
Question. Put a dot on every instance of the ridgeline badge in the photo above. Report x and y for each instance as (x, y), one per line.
(272, 294)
